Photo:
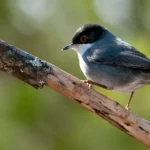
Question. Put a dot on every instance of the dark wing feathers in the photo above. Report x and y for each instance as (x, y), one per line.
(129, 58)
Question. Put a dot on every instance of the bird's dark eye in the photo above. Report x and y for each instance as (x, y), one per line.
(83, 39)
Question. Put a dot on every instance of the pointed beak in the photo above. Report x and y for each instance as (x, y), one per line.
(67, 47)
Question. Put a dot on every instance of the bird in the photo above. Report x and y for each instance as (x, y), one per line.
(108, 61)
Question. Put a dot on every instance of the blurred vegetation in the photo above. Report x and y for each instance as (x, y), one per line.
(44, 119)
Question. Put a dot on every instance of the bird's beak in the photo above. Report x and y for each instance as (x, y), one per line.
(67, 47)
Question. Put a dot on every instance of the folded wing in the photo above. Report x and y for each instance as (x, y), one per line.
(121, 57)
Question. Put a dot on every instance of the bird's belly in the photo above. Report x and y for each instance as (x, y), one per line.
(128, 87)
(114, 78)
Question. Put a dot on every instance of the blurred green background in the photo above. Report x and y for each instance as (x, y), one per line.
(43, 119)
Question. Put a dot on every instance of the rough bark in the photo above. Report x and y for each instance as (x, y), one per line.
(38, 73)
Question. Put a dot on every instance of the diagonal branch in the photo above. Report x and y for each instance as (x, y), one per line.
(38, 73)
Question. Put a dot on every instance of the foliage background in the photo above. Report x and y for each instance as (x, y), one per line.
(44, 119)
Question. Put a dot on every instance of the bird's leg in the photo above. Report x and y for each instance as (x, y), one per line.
(127, 107)
(89, 83)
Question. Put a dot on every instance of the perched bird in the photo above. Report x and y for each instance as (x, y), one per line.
(108, 61)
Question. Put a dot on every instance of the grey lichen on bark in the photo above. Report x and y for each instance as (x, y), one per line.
(23, 65)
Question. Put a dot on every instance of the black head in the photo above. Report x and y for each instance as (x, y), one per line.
(88, 33)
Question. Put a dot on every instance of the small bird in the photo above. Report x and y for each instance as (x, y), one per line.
(108, 61)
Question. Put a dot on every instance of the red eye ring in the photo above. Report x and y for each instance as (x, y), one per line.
(83, 39)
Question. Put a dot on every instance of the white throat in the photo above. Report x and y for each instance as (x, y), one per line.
(82, 48)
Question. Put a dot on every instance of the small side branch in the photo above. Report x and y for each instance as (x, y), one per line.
(38, 73)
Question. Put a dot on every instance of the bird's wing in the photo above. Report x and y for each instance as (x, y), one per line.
(124, 57)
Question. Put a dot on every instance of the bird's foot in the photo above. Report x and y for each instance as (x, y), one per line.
(127, 107)
(87, 83)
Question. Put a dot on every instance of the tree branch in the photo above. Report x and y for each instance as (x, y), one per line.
(38, 73)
